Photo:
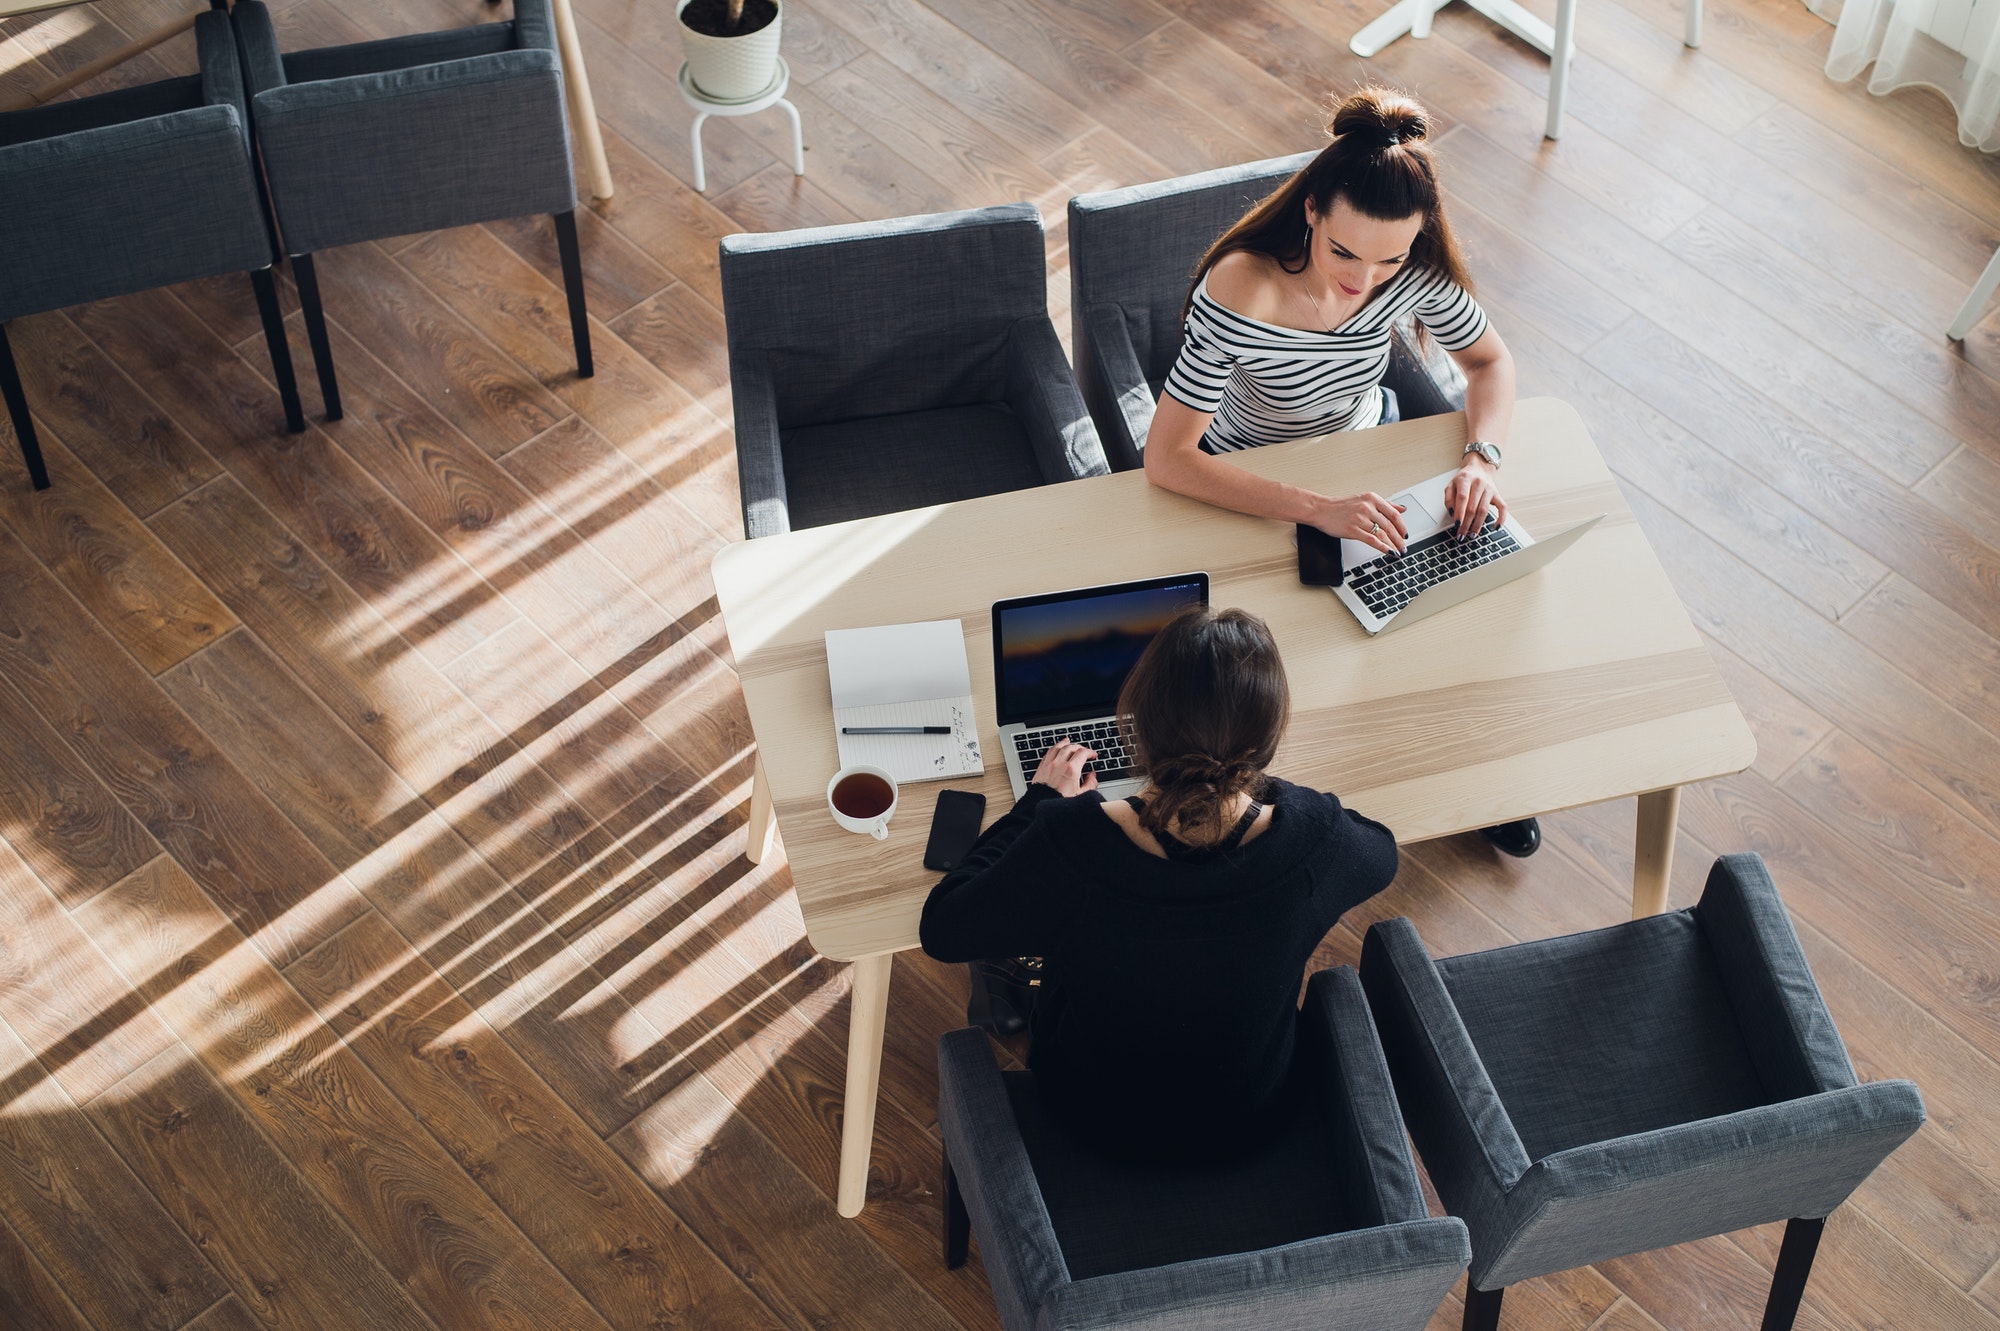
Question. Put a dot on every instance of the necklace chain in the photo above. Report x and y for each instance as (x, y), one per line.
(1305, 289)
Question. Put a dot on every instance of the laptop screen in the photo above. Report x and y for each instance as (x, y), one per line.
(1064, 656)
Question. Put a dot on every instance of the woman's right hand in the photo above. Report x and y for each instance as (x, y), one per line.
(1062, 768)
(1367, 518)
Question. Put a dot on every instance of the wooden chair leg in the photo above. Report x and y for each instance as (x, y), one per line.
(1788, 1284)
(1482, 1308)
(572, 270)
(280, 348)
(308, 279)
(17, 411)
(957, 1223)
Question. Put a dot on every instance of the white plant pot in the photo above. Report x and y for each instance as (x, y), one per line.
(732, 69)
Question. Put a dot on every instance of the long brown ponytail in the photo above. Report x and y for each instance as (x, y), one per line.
(1380, 163)
(1204, 710)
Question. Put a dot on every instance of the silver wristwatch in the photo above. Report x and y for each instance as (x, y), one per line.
(1491, 452)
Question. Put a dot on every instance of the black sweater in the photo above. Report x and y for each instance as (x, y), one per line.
(1169, 1007)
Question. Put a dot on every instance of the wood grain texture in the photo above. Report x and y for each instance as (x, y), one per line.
(58, 814)
(101, 1235)
(616, 1240)
(287, 1256)
(29, 1295)
(190, 798)
(457, 1256)
(108, 560)
(135, 449)
(62, 996)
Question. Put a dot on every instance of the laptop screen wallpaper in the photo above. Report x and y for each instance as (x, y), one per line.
(1073, 656)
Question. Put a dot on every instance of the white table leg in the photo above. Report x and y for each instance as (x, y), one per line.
(870, 1014)
(763, 817)
(1693, 36)
(1399, 21)
(798, 138)
(1559, 54)
(1975, 301)
(700, 174)
(582, 108)
(1653, 850)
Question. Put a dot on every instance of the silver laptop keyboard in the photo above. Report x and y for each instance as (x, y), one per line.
(1388, 583)
(1111, 764)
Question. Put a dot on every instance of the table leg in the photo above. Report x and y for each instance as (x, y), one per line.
(866, 1020)
(694, 136)
(798, 138)
(763, 818)
(1653, 850)
(582, 109)
(1562, 48)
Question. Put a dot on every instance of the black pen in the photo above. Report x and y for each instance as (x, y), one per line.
(895, 730)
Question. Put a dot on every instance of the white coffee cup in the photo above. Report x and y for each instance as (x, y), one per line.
(878, 826)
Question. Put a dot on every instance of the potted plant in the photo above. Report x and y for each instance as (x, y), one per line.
(732, 46)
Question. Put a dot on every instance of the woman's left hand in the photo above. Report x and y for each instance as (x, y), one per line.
(1471, 493)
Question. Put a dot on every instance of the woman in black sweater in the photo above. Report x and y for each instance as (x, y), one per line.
(1175, 928)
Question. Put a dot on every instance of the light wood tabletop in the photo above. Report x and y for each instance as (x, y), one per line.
(1580, 683)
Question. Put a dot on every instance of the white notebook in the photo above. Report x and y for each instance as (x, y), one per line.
(905, 675)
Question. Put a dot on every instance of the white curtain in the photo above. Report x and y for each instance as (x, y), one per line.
(1950, 45)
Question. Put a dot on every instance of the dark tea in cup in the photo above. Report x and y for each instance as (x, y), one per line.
(863, 795)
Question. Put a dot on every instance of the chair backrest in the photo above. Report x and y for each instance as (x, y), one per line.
(1136, 248)
(881, 318)
(135, 203)
(365, 149)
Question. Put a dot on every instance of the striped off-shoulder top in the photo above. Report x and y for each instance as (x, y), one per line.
(1267, 383)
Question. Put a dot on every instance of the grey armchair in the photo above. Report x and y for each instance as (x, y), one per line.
(408, 134)
(1132, 253)
(881, 366)
(130, 190)
(1606, 1093)
(1323, 1226)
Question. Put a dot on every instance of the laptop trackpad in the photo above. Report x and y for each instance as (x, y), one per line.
(1418, 516)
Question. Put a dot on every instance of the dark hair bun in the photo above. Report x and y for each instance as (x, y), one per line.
(1381, 117)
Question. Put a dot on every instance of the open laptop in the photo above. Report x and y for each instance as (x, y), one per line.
(1436, 570)
(1059, 661)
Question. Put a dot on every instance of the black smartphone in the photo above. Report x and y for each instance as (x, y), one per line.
(954, 827)
(1319, 558)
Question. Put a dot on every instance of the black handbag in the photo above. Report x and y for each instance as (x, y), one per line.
(1003, 993)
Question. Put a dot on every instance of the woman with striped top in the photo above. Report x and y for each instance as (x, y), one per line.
(1289, 335)
(1288, 328)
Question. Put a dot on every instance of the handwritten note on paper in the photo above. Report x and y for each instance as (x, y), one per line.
(905, 675)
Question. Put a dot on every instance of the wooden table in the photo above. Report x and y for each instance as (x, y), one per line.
(1580, 683)
(576, 79)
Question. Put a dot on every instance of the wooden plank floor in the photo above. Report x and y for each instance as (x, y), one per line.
(376, 943)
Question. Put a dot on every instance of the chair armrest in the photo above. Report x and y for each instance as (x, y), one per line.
(1422, 374)
(1791, 1036)
(127, 207)
(1017, 1242)
(1462, 1129)
(760, 454)
(1799, 1158)
(221, 71)
(257, 43)
(1114, 384)
(1042, 392)
(1360, 1099)
(534, 26)
(1390, 1278)
(418, 149)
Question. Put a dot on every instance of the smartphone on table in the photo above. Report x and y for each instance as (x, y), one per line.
(954, 827)
(1319, 558)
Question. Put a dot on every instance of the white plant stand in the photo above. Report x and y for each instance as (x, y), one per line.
(773, 95)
